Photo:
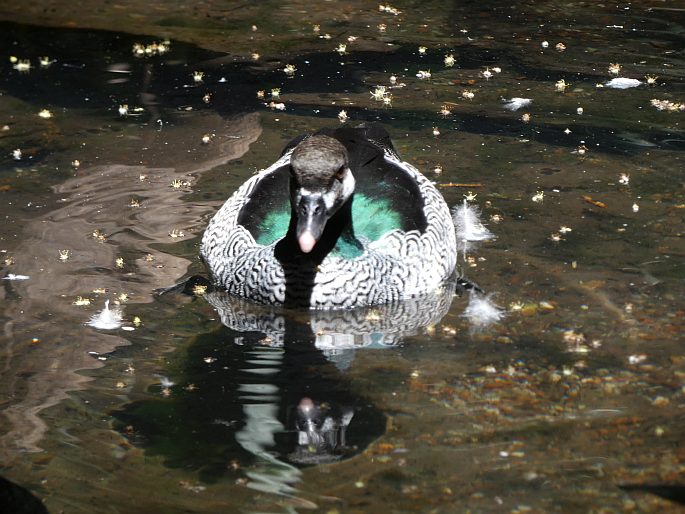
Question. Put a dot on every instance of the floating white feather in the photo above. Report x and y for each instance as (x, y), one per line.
(516, 103)
(106, 319)
(468, 225)
(622, 83)
(481, 311)
(166, 382)
(12, 276)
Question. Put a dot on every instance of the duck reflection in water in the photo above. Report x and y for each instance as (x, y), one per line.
(321, 429)
(270, 393)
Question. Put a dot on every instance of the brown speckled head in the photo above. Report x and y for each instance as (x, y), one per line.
(317, 160)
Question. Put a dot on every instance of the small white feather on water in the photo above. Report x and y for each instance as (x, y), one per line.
(481, 311)
(12, 276)
(106, 319)
(467, 223)
(516, 103)
(166, 382)
(622, 83)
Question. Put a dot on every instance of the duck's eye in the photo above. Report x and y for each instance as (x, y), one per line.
(340, 174)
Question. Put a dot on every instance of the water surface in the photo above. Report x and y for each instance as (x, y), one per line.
(192, 406)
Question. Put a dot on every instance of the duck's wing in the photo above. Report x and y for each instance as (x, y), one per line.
(387, 195)
(266, 209)
(293, 143)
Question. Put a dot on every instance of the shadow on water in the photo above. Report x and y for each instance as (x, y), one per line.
(97, 69)
(14, 499)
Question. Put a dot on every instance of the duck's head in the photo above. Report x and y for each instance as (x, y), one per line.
(321, 182)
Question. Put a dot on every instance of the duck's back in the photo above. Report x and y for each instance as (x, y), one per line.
(405, 242)
(386, 196)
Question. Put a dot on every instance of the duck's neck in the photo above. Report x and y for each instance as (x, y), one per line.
(339, 228)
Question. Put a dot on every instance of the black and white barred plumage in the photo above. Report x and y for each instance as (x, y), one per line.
(398, 265)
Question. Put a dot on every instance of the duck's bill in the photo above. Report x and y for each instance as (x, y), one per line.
(306, 241)
(311, 220)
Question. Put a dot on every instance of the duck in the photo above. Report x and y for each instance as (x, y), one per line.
(339, 221)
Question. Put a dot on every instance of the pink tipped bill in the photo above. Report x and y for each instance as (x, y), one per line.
(306, 241)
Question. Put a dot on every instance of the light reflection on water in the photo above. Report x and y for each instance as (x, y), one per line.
(576, 390)
(94, 200)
